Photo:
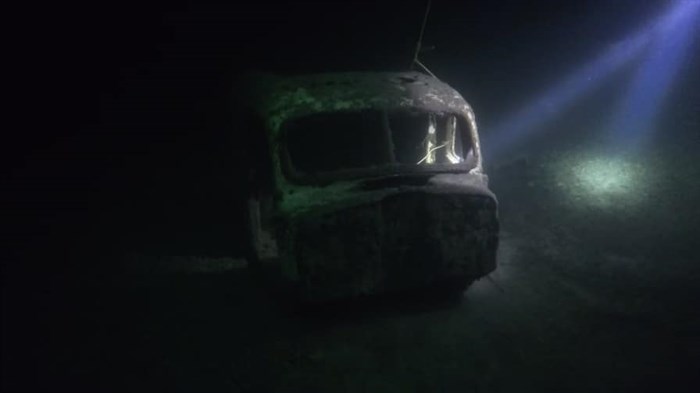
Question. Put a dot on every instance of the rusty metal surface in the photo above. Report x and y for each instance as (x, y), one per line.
(281, 98)
(394, 229)
(380, 247)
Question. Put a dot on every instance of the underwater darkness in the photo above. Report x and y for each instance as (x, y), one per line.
(124, 197)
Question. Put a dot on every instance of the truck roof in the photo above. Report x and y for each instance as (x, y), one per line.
(278, 98)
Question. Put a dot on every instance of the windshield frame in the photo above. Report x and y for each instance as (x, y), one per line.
(389, 169)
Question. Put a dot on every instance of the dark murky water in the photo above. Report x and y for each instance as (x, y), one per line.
(577, 304)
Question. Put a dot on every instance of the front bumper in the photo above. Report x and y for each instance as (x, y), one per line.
(405, 241)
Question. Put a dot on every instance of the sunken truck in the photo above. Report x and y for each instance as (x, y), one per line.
(367, 183)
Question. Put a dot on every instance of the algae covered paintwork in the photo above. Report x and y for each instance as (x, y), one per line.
(377, 228)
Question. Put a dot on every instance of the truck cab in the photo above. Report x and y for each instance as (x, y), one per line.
(368, 183)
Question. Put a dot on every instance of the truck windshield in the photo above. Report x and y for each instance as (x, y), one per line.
(329, 142)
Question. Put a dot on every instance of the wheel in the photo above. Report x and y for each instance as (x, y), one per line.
(253, 224)
(262, 243)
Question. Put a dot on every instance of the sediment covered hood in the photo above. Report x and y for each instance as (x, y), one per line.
(280, 98)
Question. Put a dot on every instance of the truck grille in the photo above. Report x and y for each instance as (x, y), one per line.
(404, 241)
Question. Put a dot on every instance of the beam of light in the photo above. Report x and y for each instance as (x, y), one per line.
(550, 103)
(635, 119)
(515, 127)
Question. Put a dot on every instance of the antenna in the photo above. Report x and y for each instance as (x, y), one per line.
(419, 43)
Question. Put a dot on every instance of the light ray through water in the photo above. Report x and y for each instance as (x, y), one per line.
(514, 128)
